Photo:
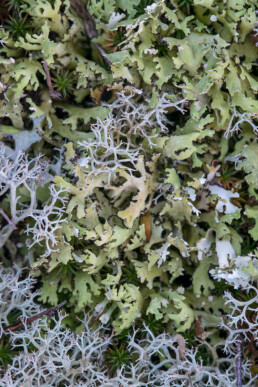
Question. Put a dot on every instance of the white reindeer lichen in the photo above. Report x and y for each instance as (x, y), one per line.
(23, 175)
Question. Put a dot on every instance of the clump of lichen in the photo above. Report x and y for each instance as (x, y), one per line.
(128, 180)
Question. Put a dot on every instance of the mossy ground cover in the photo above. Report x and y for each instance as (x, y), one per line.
(129, 184)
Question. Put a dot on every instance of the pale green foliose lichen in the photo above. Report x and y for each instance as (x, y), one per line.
(128, 174)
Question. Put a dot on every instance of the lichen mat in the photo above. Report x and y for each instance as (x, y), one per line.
(128, 193)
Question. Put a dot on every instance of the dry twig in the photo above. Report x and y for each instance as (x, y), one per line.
(97, 317)
(53, 94)
(8, 219)
(89, 26)
(48, 312)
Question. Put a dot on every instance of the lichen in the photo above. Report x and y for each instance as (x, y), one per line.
(128, 184)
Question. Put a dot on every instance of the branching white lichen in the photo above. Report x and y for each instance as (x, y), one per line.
(116, 139)
(61, 357)
(242, 321)
(106, 152)
(22, 176)
(48, 220)
(140, 118)
(17, 174)
(243, 317)
(237, 119)
(16, 295)
(178, 365)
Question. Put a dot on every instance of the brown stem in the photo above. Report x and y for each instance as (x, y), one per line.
(97, 317)
(8, 219)
(48, 312)
(89, 26)
(53, 94)
(88, 21)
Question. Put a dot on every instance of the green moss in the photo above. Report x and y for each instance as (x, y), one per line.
(6, 353)
(117, 357)
(64, 82)
(185, 6)
(15, 4)
(18, 26)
